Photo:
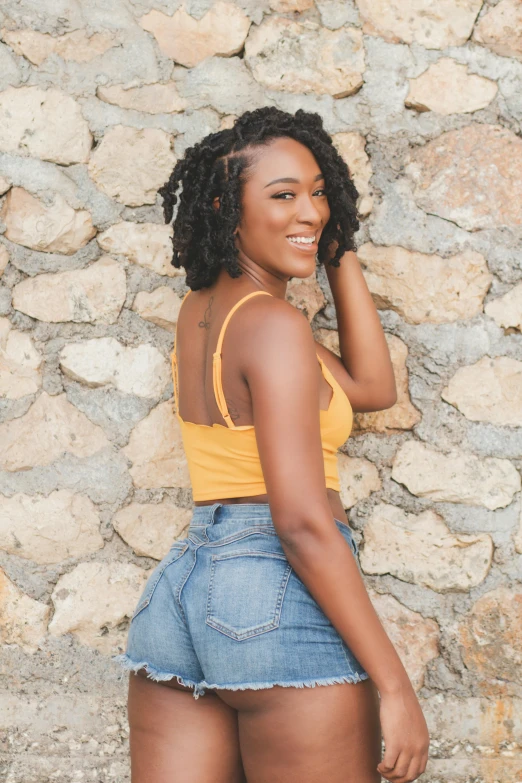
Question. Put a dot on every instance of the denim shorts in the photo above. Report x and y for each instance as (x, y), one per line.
(224, 609)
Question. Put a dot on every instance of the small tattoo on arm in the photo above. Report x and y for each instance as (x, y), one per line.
(205, 323)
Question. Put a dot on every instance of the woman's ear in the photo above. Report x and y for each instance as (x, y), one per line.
(216, 203)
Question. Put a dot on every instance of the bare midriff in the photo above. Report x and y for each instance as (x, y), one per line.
(334, 500)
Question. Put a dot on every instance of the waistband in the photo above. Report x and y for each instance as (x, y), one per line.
(215, 513)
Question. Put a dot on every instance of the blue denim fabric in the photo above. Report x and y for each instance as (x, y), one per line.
(225, 609)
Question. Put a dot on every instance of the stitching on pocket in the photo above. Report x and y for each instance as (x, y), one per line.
(246, 587)
(175, 552)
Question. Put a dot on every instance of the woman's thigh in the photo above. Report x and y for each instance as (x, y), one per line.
(309, 735)
(175, 738)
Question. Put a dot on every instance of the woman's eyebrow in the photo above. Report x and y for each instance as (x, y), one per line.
(291, 179)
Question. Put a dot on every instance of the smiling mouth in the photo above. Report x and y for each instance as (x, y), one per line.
(306, 244)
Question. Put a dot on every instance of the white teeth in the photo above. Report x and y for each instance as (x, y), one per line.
(302, 240)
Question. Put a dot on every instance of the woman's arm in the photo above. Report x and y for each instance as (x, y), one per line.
(282, 371)
(370, 382)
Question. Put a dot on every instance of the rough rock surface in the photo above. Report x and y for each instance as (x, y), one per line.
(447, 87)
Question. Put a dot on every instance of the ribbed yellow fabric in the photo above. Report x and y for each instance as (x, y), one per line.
(223, 460)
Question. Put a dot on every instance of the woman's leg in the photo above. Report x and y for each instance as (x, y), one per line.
(175, 738)
(309, 735)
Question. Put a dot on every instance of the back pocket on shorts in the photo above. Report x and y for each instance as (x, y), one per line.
(246, 591)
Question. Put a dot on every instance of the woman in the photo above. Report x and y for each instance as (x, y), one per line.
(264, 599)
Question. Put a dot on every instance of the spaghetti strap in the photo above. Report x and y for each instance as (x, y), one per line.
(216, 363)
(173, 359)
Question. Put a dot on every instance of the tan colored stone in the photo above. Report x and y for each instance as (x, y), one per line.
(506, 310)
(471, 176)
(4, 187)
(435, 24)
(490, 636)
(156, 450)
(57, 228)
(160, 307)
(19, 363)
(130, 164)
(358, 477)
(46, 124)
(501, 29)
(415, 638)
(455, 477)
(146, 244)
(4, 259)
(446, 87)
(76, 46)
(151, 98)
(23, 621)
(221, 31)
(93, 599)
(50, 428)
(151, 528)
(351, 147)
(290, 6)
(227, 122)
(96, 293)
(424, 287)
(306, 295)
(489, 390)
(103, 361)
(49, 529)
(304, 57)
(420, 549)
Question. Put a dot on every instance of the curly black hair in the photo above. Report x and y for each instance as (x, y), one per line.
(203, 237)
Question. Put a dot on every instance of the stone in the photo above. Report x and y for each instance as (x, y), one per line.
(104, 361)
(160, 307)
(305, 57)
(46, 124)
(208, 84)
(4, 259)
(415, 638)
(94, 294)
(5, 184)
(351, 147)
(447, 87)
(156, 451)
(471, 176)
(506, 310)
(455, 477)
(420, 549)
(490, 636)
(501, 29)
(518, 534)
(401, 416)
(54, 228)
(130, 164)
(146, 244)
(227, 121)
(151, 528)
(93, 599)
(151, 98)
(434, 24)
(19, 363)
(76, 46)
(291, 6)
(305, 294)
(51, 428)
(358, 478)
(425, 287)
(49, 529)
(188, 41)
(489, 390)
(23, 621)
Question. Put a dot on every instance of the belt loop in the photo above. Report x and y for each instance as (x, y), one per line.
(213, 510)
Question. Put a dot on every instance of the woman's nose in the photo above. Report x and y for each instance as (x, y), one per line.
(307, 211)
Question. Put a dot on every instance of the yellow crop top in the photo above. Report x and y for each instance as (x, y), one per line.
(223, 460)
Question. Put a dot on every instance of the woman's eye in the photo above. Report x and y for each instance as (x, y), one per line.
(320, 192)
(282, 195)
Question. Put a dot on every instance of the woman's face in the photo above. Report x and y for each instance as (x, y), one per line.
(284, 210)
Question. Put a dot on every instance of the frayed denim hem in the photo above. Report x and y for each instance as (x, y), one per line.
(199, 687)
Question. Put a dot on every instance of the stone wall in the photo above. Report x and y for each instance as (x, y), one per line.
(97, 100)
